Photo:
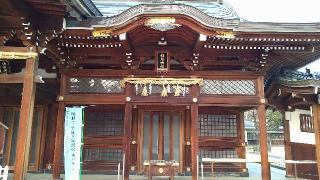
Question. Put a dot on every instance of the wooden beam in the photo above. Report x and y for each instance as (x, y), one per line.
(194, 141)
(16, 49)
(11, 78)
(16, 78)
(25, 121)
(172, 73)
(316, 119)
(235, 100)
(94, 98)
(24, 10)
(10, 22)
(265, 168)
(58, 142)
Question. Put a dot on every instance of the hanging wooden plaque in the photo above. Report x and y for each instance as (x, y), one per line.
(162, 61)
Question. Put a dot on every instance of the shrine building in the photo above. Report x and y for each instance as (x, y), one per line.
(161, 83)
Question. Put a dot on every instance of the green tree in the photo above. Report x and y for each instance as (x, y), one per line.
(274, 120)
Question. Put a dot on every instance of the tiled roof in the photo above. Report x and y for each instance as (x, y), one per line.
(214, 9)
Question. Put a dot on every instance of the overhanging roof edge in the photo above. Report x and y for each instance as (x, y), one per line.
(196, 14)
(151, 9)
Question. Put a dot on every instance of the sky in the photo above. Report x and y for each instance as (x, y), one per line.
(306, 11)
(277, 10)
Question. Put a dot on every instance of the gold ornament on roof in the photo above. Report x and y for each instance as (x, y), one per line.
(162, 23)
(176, 83)
(17, 55)
(102, 32)
(225, 34)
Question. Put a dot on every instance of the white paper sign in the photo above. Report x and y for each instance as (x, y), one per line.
(72, 142)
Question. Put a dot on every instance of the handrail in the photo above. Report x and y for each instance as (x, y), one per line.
(4, 172)
(253, 160)
(123, 164)
(231, 160)
(3, 125)
(197, 166)
(119, 171)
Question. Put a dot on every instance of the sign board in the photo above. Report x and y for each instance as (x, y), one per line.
(162, 61)
(73, 129)
(101, 32)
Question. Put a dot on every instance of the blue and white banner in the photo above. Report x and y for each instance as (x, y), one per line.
(73, 142)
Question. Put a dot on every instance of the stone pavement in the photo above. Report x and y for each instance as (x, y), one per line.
(254, 172)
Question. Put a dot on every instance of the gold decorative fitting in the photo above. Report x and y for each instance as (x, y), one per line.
(188, 143)
(128, 99)
(160, 170)
(225, 34)
(17, 55)
(263, 100)
(133, 142)
(178, 84)
(60, 98)
(162, 23)
(101, 32)
(194, 100)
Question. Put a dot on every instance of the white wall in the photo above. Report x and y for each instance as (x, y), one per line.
(295, 133)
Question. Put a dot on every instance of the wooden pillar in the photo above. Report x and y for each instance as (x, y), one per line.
(25, 122)
(316, 120)
(194, 140)
(127, 139)
(265, 168)
(263, 143)
(58, 142)
(127, 130)
(242, 148)
(287, 146)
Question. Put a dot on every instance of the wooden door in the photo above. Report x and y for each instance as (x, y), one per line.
(161, 136)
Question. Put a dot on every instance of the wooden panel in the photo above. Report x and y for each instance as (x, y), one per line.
(218, 142)
(287, 146)
(103, 142)
(304, 152)
(50, 135)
